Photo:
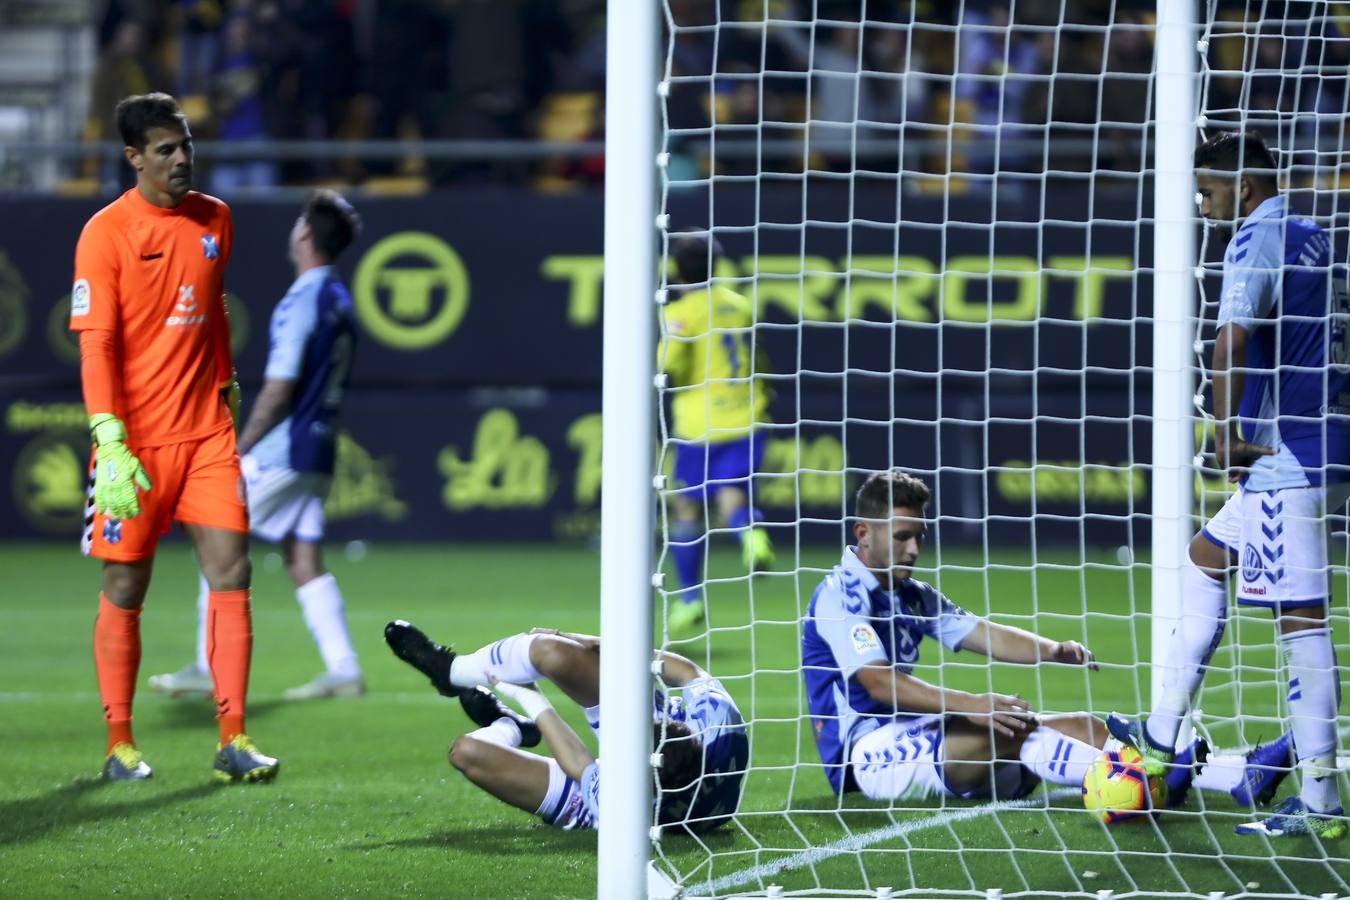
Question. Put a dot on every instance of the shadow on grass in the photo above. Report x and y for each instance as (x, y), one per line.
(490, 841)
(200, 712)
(32, 818)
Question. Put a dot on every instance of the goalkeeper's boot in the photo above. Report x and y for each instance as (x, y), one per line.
(757, 550)
(124, 763)
(188, 681)
(683, 615)
(1157, 760)
(327, 685)
(1290, 818)
(1268, 765)
(483, 708)
(1184, 768)
(423, 654)
(239, 760)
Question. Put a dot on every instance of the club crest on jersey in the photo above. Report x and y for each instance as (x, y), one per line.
(210, 246)
(1252, 567)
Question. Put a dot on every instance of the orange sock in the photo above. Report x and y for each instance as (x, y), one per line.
(229, 648)
(117, 658)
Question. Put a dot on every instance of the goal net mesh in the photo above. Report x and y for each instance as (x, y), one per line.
(940, 216)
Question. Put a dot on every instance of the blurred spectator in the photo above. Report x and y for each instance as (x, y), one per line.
(979, 86)
(486, 77)
(198, 28)
(408, 69)
(237, 109)
(126, 67)
(995, 104)
(1125, 95)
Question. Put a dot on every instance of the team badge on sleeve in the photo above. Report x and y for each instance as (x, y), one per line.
(210, 246)
(865, 639)
(79, 298)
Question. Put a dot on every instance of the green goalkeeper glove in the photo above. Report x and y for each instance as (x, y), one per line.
(231, 394)
(116, 471)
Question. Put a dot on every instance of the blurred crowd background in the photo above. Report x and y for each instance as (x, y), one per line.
(915, 86)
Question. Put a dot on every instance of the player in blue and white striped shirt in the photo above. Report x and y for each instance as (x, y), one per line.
(697, 728)
(288, 444)
(883, 731)
(1281, 402)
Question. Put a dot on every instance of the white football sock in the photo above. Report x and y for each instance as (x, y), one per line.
(1056, 757)
(1221, 773)
(203, 593)
(1314, 695)
(1204, 609)
(592, 717)
(321, 603)
(502, 733)
(506, 660)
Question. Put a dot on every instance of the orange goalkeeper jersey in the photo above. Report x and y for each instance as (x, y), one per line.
(155, 279)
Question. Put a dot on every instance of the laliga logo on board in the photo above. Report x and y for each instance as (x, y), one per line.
(411, 290)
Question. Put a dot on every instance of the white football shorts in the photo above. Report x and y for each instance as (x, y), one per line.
(1278, 540)
(903, 761)
(284, 503)
(563, 806)
(899, 760)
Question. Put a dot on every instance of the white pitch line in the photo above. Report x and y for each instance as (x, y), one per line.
(858, 842)
(418, 697)
(802, 858)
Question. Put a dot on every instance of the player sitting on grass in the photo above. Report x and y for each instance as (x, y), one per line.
(699, 731)
(884, 732)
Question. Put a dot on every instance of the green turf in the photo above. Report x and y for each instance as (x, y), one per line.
(366, 805)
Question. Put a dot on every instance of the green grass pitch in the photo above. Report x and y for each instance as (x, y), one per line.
(366, 805)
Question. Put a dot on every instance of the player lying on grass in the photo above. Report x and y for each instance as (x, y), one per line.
(882, 731)
(698, 731)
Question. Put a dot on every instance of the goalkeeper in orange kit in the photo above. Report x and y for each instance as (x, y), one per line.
(160, 391)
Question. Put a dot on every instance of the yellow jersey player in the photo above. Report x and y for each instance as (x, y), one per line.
(717, 406)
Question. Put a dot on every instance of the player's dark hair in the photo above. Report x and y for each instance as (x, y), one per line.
(884, 491)
(681, 768)
(137, 114)
(332, 222)
(695, 253)
(1244, 152)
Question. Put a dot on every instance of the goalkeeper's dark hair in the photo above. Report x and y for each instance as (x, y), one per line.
(680, 771)
(695, 254)
(1244, 152)
(137, 114)
(884, 491)
(333, 223)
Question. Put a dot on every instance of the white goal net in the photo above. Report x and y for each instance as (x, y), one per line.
(941, 219)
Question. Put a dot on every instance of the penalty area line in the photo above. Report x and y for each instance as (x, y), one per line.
(811, 856)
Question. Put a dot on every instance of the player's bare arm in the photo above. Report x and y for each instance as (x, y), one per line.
(1008, 715)
(566, 747)
(564, 744)
(1006, 643)
(677, 671)
(1231, 452)
(272, 406)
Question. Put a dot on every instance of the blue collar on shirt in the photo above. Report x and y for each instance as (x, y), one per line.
(310, 277)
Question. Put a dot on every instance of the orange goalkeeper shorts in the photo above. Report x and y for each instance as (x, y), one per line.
(195, 483)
